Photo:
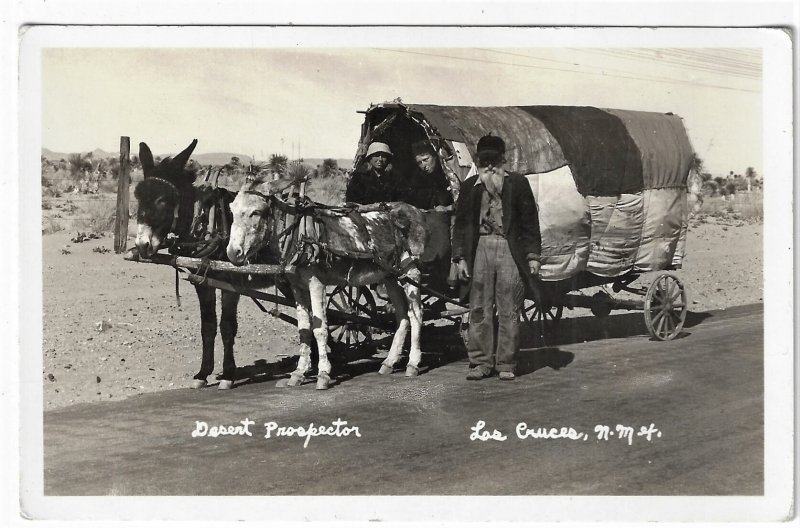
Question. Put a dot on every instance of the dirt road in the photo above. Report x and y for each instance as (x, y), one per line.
(700, 398)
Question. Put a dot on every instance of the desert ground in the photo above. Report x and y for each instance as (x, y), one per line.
(112, 329)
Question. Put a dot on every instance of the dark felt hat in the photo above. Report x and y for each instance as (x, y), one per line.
(491, 151)
(418, 148)
(491, 146)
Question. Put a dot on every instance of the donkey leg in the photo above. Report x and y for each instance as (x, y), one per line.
(398, 299)
(319, 325)
(306, 339)
(208, 331)
(415, 314)
(228, 325)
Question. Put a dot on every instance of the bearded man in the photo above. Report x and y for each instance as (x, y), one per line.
(496, 245)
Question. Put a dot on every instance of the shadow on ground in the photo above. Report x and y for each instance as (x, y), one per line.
(442, 345)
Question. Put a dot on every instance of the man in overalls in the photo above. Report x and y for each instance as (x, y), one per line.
(496, 244)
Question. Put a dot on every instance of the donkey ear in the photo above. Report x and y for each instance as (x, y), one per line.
(179, 161)
(146, 159)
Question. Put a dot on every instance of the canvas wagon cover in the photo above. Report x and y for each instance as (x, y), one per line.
(610, 184)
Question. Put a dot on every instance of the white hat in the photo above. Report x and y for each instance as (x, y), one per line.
(376, 147)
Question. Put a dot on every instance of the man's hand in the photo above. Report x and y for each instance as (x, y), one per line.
(463, 272)
(534, 266)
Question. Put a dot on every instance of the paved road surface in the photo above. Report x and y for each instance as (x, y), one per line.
(704, 394)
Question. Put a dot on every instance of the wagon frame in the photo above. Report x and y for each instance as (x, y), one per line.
(353, 311)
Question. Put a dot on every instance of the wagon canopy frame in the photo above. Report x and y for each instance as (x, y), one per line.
(610, 184)
(609, 151)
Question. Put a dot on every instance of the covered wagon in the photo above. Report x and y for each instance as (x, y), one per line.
(610, 185)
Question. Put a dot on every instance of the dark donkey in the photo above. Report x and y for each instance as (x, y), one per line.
(170, 212)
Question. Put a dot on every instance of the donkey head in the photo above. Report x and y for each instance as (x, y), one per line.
(253, 217)
(160, 196)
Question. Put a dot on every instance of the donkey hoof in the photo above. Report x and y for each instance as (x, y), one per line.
(295, 381)
(225, 384)
(198, 384)
(323, 381)
(412, 371)
(385, 370)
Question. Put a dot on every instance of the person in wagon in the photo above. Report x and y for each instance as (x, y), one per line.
(496, 245)
(428, 185)
(378, 183)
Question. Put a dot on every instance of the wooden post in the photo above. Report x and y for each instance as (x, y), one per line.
(123, 198)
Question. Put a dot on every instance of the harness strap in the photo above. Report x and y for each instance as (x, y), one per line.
(177, 288)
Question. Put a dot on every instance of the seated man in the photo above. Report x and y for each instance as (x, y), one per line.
(378, 183)
(428, 184)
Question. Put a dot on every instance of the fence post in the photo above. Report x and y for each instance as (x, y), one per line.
(123, 198)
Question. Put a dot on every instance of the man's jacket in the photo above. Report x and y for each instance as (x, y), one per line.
(520, 222)
(368, 188)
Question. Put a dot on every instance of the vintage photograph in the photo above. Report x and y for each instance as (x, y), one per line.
(504, 266)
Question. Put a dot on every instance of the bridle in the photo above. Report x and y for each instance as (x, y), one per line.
(177, 202)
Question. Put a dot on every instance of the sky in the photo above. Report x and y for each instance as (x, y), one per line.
(305, 101)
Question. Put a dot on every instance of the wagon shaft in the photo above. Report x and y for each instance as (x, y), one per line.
(216, 265)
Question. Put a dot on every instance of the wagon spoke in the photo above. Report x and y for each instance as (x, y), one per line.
(670, 326)
(675, 319)
(658, 317)
(336, 304)
(660, 328)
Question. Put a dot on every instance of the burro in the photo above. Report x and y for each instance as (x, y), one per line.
(338, 428)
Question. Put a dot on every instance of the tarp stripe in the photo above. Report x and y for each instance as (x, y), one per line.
(665, 149)
(603, 157)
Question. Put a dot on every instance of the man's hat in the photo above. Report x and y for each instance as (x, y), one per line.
(377, 147)
(418, 148)
(490, 145)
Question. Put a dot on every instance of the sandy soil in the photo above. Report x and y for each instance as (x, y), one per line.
(150, 344)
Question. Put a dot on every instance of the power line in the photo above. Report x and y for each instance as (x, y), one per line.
(715, 57)
(643, 56)
(602, 72)
(537, 67)
(692, 63)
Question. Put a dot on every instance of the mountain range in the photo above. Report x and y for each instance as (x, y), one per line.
(212, 158)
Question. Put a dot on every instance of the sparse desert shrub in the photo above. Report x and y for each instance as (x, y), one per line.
(730, 187)
(46, 206)
(99, 216)
(108, 186)
(51, 225)
(50, 192)
(747, 207)
(329, 191)
(298, 170)
(710, 188)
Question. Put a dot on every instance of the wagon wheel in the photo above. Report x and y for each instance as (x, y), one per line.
(665, 307)
(344, 303)
(549, 317)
